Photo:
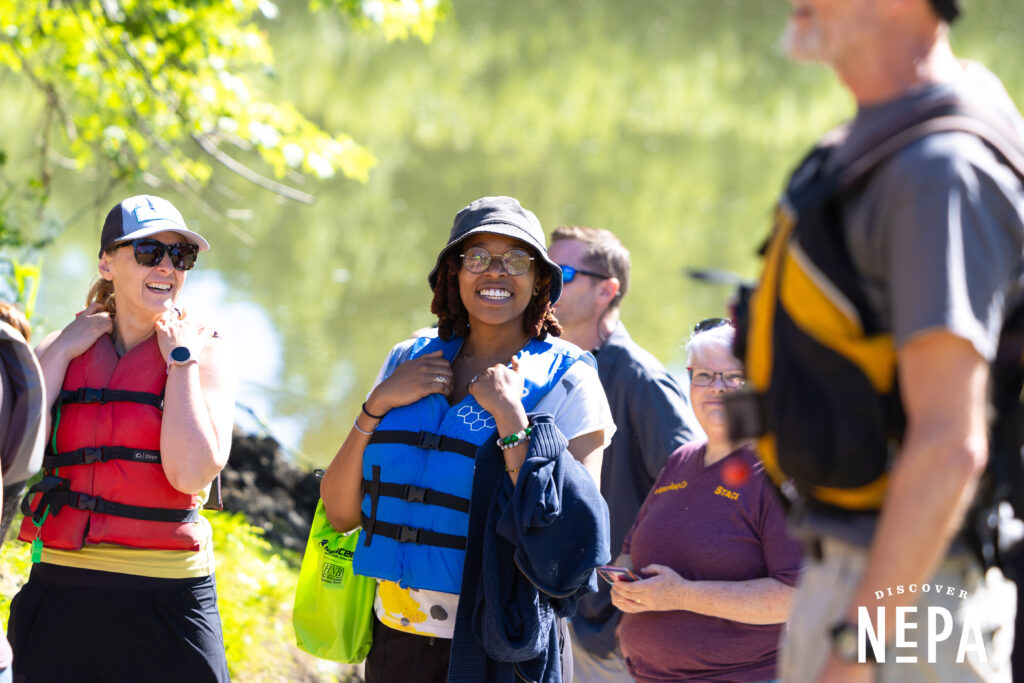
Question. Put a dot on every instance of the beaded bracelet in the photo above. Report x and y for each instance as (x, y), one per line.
(513, 440)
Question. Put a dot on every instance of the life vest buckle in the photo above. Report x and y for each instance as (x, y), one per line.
(429, 440)
(414, 494)
(83, 501)
(91, 395)
(92, 455)
(408, 534)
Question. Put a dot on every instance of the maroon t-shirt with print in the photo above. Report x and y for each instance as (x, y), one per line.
(708, 528)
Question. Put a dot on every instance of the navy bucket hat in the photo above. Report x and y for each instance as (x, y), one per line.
(500, 216)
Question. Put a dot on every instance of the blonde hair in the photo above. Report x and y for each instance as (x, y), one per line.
(101, 291)
(13, 316)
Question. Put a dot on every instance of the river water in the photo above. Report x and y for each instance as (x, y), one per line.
(670, 122)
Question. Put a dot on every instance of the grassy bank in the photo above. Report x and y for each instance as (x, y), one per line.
(255, 587)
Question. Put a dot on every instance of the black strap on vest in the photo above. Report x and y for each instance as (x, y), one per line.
(428, 440)
(56, 493)
(90, 395)
(408, 534)
(88, 456)
(370, 525)
(415, 494)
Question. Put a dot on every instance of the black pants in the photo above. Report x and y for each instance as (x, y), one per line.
(406, 657)
(82, 626)
(400, 656)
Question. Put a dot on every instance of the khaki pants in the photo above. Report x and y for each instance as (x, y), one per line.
(826, 586)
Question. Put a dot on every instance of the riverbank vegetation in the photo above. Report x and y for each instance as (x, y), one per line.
(255, 589)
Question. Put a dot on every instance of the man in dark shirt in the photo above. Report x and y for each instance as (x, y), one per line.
(652, 417)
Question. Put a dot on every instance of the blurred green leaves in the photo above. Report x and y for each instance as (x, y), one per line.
(167, 93)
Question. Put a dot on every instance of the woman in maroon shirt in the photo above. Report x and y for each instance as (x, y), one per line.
(716, 566)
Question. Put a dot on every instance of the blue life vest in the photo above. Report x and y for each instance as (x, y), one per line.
(418, 472)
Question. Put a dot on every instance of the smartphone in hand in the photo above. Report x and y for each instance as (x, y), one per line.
(611, 574)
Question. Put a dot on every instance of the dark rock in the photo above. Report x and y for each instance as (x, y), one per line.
(275, 493)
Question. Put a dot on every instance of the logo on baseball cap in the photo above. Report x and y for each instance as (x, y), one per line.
(142, 216)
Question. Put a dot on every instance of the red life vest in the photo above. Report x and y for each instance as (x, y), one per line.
(104, 482)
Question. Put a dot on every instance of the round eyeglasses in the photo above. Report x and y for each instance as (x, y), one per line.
(702, 377)
(514, 261)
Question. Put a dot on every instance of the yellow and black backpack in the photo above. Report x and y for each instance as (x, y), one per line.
(825, 404)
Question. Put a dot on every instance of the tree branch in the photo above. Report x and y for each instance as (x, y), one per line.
(252, 176)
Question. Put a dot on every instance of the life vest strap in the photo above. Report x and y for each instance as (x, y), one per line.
(417, 494)
(91, 395)
(408, 534)
(89, 456)
(56, 493)
(428, 440)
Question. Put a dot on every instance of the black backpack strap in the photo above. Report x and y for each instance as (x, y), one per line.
(88, 456)
(416, 494)
(428, 440)
(90, 395)
(408, 534)
(955, 120)
(56, 493)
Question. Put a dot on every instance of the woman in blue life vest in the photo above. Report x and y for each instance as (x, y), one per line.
(472, 469)
(141, 398)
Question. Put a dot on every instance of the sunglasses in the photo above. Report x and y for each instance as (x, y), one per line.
(149, 253)
(702, 377)
(569, 274)
(710, 324)
(514, 261)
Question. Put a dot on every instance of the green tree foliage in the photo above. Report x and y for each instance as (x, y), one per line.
(166, 92)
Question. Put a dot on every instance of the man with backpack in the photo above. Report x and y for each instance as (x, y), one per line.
(895, 260)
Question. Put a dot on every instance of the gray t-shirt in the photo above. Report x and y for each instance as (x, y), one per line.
(937, 234)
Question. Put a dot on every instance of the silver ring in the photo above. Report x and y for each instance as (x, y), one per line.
(441, 379)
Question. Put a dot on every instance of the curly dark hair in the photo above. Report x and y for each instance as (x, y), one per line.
(453, 318)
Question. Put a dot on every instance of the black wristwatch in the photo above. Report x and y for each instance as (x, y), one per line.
(181, 355)
(844, 643)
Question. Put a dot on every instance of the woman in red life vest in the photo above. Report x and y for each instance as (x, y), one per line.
(141, 398)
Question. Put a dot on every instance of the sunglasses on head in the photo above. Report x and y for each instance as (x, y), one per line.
(710, 324)
(569, 274)
(149, 253)
(515, 261)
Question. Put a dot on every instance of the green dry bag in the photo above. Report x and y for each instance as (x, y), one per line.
(333, 612)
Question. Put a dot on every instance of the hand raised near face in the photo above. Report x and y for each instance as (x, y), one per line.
(174, 328)
(85, 329)
(411, 381)
(499, 389)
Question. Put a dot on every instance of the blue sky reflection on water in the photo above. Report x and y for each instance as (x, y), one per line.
(257, 347)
